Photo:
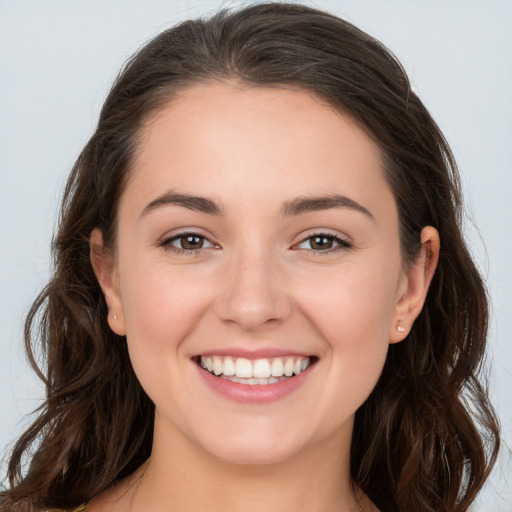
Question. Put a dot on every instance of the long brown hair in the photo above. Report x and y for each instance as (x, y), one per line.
(427, 436)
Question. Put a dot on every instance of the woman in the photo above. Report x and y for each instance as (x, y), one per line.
(261, 290)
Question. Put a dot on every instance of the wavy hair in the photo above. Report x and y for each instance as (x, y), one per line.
(427, 436)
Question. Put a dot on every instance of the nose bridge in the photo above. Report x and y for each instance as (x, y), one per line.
(253, 295)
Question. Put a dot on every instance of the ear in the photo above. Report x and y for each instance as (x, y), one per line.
(413, 291)
(104, 267)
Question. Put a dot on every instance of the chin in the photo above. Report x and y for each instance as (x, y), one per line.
(253, 448)
(252, 455)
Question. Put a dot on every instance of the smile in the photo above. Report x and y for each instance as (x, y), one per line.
(254, 372)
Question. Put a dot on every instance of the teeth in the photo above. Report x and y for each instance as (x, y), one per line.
(243, 368)
(217, 365)
(253, 382)
(229, 366)
(288, 367)
(259, 371)
(278, 368)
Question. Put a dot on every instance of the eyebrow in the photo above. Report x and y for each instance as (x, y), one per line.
(195, 203)
(306, 204)
(297, 206)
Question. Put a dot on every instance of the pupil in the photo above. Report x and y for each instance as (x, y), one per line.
(191, 242)
(321, 242)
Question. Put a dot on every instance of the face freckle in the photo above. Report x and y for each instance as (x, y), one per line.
(257, 220)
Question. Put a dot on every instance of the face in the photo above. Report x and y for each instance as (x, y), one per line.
(257, 231)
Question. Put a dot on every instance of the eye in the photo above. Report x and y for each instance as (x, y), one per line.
(323, 242)
(187, 242)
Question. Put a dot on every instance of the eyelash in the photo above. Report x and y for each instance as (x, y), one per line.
(342, 243)
(167, 243)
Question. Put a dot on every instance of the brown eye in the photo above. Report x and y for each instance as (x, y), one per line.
(187, 243)
(191, 242)
(321, 243)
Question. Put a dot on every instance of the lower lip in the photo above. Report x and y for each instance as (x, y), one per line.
(257, 393)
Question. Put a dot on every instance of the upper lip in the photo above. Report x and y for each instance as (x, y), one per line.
(259, 353)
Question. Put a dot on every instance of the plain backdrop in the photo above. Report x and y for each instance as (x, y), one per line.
(59, 57)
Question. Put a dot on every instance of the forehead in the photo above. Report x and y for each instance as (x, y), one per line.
(236, 143)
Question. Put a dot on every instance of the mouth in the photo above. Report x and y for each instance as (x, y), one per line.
(263, 371)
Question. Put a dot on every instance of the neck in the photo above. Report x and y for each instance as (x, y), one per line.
(182, 476)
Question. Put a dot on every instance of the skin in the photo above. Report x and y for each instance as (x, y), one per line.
(257, 282)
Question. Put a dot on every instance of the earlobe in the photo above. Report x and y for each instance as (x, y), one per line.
(103, 265)
(418, 278)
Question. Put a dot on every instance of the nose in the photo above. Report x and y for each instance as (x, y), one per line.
(253, 295)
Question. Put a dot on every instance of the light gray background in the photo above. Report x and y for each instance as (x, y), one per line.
(58, 59)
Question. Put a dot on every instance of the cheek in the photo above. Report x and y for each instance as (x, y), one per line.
(162, 309)
(352, 306)
(356, 327)
(161, 306)
(352, 310)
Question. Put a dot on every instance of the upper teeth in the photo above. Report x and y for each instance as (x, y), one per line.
(258, 368)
